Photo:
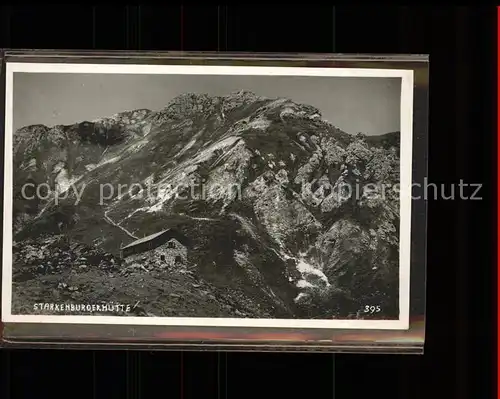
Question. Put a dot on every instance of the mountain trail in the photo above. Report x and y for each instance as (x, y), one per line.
(111, 222)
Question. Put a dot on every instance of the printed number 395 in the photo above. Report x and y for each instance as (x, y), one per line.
(372, 309)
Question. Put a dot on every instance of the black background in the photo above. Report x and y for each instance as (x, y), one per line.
(458, 361)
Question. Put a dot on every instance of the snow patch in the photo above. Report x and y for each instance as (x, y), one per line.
(306, 268)
(304, 284)
(312, 275)
(299, 297)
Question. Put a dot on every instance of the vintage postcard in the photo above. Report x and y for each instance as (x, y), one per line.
(207, 195)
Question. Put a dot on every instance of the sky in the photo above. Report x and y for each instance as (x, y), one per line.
(367, 105)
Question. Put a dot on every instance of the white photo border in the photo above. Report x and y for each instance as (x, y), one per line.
(406, 132)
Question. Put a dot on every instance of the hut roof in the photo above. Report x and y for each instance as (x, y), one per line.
(147, 238)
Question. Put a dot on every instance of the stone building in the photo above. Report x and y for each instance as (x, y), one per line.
(167, 247)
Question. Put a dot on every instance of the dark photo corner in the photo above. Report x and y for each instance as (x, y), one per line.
(458, 359)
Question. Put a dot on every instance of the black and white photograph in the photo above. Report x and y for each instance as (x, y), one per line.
(207, 195)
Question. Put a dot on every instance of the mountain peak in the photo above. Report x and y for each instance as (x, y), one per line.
(125, 117)
(243, 94)
(189, 103)
(31, 128)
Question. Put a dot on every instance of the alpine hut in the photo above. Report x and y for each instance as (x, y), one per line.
(153, 242)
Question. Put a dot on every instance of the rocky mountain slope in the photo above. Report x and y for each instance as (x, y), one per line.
(286, 214)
